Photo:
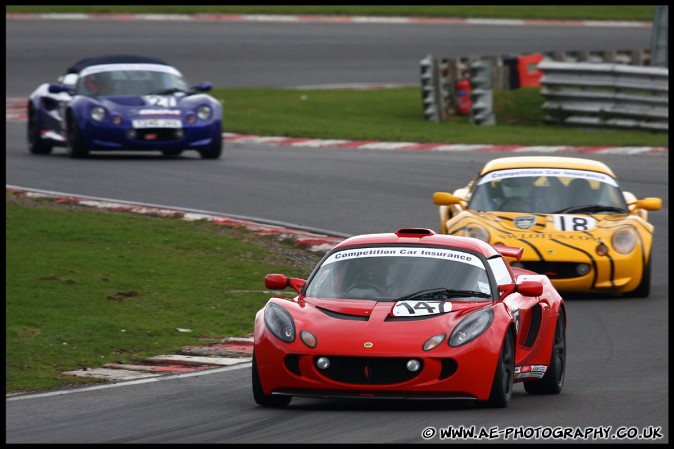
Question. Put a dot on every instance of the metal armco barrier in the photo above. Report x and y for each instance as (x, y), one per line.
(482, 95)
(434, 88)
(440, 76)
(611, 88)
(660, 37)
(637, 56)
(606, 95)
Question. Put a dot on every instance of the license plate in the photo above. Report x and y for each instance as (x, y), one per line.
(157, 123)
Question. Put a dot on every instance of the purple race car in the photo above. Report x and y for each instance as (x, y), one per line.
(124, 102)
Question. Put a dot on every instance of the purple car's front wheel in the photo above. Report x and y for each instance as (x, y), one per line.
(76, 147)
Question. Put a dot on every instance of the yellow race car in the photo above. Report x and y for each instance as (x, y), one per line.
(577, 226)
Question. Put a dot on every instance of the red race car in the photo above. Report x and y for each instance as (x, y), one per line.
(411, 314)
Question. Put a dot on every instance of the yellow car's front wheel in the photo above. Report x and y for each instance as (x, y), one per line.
(644, 288)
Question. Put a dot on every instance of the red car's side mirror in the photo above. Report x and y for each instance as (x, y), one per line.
(530, 288)
(525, 288)
(281, 281)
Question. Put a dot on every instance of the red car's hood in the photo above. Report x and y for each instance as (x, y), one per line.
(343, 325)
(345, 306)
(364, 308)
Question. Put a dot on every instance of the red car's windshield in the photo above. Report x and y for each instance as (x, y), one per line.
(387, 273)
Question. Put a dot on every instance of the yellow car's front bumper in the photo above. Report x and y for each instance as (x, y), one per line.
(575, 261)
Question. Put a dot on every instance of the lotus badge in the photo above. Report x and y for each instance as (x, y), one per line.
(524, 221)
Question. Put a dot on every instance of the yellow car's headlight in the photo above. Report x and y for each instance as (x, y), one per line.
(477, 231)
(624, 240)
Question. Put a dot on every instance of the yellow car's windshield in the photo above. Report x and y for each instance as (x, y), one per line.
(547, 191)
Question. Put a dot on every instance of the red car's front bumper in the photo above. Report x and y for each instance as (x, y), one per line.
(379, 371)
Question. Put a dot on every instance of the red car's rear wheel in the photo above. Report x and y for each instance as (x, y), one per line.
(553, 381)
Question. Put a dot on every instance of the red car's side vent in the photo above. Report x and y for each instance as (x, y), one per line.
(414, 232)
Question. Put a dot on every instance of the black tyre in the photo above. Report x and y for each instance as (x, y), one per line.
(644, 288)
(553, 380)
(213, 151)
(76, 147)
(502, 387)
(263, 399)
(35, 143)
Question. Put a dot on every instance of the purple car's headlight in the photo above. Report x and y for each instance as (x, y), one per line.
(98, 113)
(204, 112)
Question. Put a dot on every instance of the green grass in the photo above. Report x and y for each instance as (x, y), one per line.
(86, 288)
(575, 12)
(396, 115)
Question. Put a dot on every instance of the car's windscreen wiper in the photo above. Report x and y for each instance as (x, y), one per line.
(170, 90)
(440, 294)
(591, 208)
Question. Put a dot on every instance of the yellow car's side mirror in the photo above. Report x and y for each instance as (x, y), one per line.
(649, 203)
(446, 199)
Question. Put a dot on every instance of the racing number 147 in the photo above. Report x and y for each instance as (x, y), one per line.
(423, 308)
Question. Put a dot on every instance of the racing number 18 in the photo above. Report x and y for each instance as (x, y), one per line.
(572, 223)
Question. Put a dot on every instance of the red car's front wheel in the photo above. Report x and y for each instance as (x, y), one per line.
(260, 397)
(502, 387)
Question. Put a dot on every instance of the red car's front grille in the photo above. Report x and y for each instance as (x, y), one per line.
(449, 367)
(369, 370)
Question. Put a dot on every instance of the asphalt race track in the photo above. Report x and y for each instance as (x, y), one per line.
(617, 374)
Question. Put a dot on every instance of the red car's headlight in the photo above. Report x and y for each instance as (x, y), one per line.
(471, 327)
(279, 322)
